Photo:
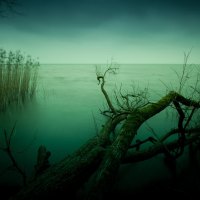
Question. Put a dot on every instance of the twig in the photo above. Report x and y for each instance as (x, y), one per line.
(8, 151)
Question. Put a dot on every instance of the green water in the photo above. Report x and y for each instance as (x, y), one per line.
(61, 116)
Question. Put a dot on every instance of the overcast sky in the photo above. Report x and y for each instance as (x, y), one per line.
(96, 31)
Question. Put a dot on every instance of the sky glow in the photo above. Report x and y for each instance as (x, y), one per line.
(95, 31)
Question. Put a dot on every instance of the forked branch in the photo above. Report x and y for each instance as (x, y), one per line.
(7, 149)
(101, 80)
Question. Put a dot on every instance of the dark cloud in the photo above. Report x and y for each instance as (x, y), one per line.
(94, 12)
(111, 7)
(117, 22)
(91, 12)
(65, 17)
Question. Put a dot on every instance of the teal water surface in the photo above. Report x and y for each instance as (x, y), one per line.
(68, 102)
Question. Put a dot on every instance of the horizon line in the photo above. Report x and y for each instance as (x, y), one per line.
(44, 63)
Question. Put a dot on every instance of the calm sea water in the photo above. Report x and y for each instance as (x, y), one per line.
(68, 100)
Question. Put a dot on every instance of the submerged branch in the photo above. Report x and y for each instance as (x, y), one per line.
(8, 151)
(159, 148)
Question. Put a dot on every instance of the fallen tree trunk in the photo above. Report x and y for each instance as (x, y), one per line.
(95, 164)
(104, 177)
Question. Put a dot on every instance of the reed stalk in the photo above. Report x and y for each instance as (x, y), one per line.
(18, 78)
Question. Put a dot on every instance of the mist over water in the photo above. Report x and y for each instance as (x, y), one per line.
(67, 104)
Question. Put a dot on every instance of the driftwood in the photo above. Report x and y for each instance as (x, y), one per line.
(90, 172)
(42, 160)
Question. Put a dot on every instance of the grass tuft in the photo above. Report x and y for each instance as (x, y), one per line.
(18, 78)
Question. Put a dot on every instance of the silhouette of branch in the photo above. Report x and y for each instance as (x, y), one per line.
(157, 148)
(7, 149)
(101, 79)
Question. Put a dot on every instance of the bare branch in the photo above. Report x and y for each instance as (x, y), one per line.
(158, 148)
(131, 101)
(95, 124)
(190, 117)
(11, 133)
(7, 149)
(185, 73)
(101, 80)
(139, 143)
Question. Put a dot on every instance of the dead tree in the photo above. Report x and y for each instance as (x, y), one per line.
(90, 172)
